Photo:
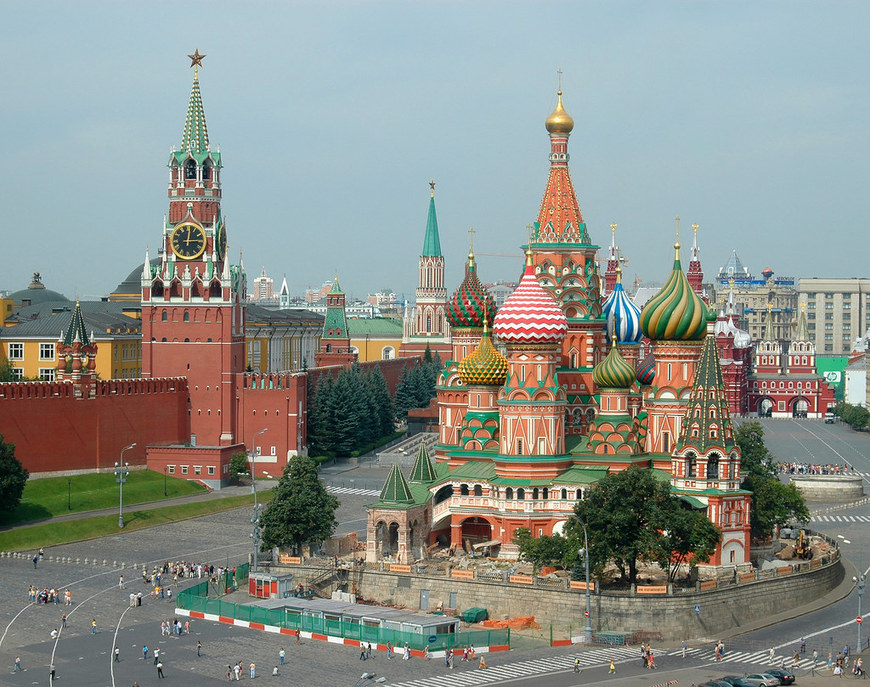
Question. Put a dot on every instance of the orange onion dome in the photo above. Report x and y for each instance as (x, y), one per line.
(485, 366)
(530, 315)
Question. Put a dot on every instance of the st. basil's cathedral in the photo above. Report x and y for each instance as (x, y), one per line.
(542, 398)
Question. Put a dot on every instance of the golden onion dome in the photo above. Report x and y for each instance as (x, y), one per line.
(484, 366)
(560, 122)
(614, 372)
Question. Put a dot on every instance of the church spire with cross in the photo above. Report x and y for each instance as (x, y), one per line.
(694, 273)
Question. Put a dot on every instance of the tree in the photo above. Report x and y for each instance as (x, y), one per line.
(13, 477)
(856, 417)
(545, 550)
(301, 510)
(623, 514)
(238, 465)
(687, 537)
(773, 503)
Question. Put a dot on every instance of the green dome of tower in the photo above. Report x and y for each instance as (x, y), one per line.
(614, 372)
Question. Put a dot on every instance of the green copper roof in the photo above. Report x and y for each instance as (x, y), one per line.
(336, 287)
(195, 137)
(422, 472)
(675, 313)
(374, 327)
(76, 330)
(707, 425)
(396, 489)
(335, 322)
(432, 242)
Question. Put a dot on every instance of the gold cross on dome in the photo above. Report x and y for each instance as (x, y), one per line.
(432, 186)
(196, 59)
(471, 233)
(559, 76)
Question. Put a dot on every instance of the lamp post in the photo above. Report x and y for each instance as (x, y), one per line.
(69, 493)
(121, 473)
(255, 519)
(585, 553)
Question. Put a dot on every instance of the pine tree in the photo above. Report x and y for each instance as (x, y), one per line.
(319, 419)
(383, 403)
(404, 395)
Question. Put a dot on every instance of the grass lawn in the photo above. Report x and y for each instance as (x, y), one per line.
(45, 498)
(88, 528)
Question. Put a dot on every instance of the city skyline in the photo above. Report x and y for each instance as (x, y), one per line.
(746, 119)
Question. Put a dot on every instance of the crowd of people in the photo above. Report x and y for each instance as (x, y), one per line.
(49, 595)
(796, 468)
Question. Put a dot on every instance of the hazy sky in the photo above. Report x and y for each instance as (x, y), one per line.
(749, 118)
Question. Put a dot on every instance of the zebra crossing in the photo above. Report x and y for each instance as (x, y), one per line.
(511, 671)
(840, 518)
(355, 491)
(759, 658)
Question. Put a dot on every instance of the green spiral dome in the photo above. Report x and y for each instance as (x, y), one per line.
(614, 372)
(675, 313)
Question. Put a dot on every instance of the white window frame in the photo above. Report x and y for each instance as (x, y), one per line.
(183, 469)
(46, 347)
(47, 374)
(16, 350)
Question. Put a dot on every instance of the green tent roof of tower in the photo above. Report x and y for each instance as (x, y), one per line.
(432, 242)
(195, 137)
(76, 330)
(422, 472)
(335, 322)
(396, 489)
(707, 424)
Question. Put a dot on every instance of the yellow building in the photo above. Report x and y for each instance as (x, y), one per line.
(277, 340)
(32, 332)
(375, 339)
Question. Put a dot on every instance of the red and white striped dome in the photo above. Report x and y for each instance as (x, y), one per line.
(530, 315)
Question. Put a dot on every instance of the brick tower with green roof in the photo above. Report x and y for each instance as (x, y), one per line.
(76, 355)
(426, 323)
(705, 467)
(399, 523)
(335, 339)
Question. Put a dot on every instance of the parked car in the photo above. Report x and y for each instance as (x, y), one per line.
(785, 677)
(714, 683)
(736, 681)
(763, 679)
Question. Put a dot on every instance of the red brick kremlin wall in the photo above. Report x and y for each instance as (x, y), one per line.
(54, 431)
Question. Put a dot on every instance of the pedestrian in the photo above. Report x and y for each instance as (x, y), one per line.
(684, 648)
(771, 656)
(652, 661)
(796, 658)
(447, 658)
(362, 652)
(156, 655)
(237, 670)
(54, 633)
(51, 672)
(281, 656)
(275, 671)
(612, 668)
(576, 663)
(198, 648)
(117, 655)
(803, 645)
(121, 582)
(815, 656)
(145, 652)
(17, 665)
(389, 651)
(94, 626)
(229, 673)
(482, 665)
(407, 652)
(41, 553)
(160, 671)
(427, 654)
(298, 635)
(35, 560)
(369, 651)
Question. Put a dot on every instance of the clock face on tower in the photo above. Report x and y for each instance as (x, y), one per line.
(222, 242)
(187, 240)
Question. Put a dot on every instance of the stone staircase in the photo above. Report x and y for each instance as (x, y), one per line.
(404, 453)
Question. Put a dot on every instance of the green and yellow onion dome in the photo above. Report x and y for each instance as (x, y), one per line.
(614, 372)
(675, 313)
(484, 366)
(471, 304)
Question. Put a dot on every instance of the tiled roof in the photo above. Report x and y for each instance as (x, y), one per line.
(50, 320)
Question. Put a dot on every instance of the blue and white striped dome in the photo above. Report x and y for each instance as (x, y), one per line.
(623, 317)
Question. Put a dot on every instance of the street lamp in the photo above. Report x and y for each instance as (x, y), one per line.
(585, 553)
(860, 581)
(69, 493)
(121, 473)
(255, 519)
(164, 480)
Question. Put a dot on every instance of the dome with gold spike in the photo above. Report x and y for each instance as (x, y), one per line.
(675, 313)
(485, 366)
(471, 304)
(614, 372)
(560, 122)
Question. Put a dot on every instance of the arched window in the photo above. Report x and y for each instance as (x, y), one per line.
(546, 493)
(206, 171)
(190, 169)
(564, 494)
(521, 494)
(713, 467)
(535, 493)
(463, 490)
(186, 317)
(164, 317)
(509, 493)
(691, 465)
(478, 490)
